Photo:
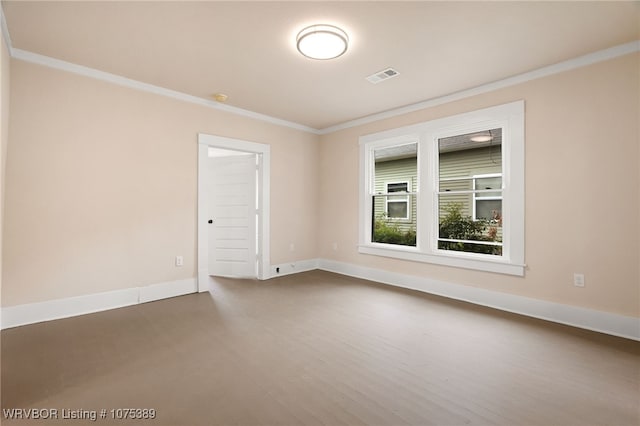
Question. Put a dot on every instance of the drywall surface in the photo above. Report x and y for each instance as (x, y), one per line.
(102, 186)
(582, 189)
(5, 95)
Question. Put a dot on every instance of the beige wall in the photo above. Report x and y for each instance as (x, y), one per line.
(101, 186)
(582, 182)
(4, 132)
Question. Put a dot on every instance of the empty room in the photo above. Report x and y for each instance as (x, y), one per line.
(320, 213)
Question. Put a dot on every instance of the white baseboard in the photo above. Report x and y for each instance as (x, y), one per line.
(604, 322)
(167, 289)
(14, 316)
(293, 267)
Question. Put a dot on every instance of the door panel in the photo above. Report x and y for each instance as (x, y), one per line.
(232, 208)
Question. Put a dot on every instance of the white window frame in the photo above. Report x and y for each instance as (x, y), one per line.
(405, 199)
(510, 118)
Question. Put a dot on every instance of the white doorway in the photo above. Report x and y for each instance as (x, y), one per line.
(233, 209)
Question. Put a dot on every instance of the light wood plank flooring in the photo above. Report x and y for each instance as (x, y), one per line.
(321, 349)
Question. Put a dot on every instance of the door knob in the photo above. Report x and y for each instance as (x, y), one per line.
(210, 220)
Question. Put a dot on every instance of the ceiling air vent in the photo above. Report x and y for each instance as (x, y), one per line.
(382, 75)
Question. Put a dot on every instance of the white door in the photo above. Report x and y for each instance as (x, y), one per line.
(232, 200)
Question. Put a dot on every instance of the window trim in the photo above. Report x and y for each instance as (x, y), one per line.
(510, 117)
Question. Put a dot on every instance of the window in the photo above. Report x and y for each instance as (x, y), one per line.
(398, 205)
(448, 191)
(487, 205)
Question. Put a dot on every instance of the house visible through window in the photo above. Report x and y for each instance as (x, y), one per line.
(393, 194)
(488, 205)
(470, 192)
(398, 205)
(448, 191)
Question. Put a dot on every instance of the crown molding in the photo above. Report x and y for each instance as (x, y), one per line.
(570, 64)
(50, 62)
(581, 61)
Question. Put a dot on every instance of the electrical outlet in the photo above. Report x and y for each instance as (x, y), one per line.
(578, 280)
(179, 261)
(334, 246)
(292, 247)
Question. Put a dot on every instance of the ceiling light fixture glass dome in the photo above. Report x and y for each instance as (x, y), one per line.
(322, 42)
(482, 137)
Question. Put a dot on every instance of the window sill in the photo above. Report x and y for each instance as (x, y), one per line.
(457, 260)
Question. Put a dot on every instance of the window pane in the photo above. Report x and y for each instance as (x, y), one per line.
(458, 231)
(394, 216)
(396, 169)
(489, 183)
(398, 209)
(471, 154)
(489, 210)
(397, 187)
(484, 184)
(456, 184)
(397, 225)
(461, 158)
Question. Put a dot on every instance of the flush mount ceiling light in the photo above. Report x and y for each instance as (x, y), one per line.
(482, 137)
(322, 42)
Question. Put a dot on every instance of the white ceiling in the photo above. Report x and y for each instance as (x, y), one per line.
(247, 49)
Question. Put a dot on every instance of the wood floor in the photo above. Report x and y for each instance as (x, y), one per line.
(320, 349)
